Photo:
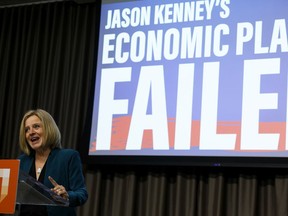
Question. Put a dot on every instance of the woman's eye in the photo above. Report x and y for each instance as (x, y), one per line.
(36, 126)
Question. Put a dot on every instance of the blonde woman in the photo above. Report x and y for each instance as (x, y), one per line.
(44, 159)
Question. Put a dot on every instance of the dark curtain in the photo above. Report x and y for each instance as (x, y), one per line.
(47, 60)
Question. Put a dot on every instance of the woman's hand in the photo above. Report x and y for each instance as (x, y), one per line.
(59, 189)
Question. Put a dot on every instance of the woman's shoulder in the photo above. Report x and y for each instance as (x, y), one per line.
(64, 156)
(24, 157)
(65, 152)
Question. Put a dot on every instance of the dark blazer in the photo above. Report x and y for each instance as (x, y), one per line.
(64, 165)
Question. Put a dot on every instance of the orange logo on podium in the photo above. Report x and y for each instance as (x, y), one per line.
(9, 170)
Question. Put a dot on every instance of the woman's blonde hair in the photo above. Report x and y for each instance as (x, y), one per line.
(51, 133)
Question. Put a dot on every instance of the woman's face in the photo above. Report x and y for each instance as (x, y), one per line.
(34, 132)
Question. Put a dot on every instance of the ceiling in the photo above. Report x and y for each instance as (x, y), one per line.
(13, 3)
(22, 2)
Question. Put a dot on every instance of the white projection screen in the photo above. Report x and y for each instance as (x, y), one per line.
(201, 81)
